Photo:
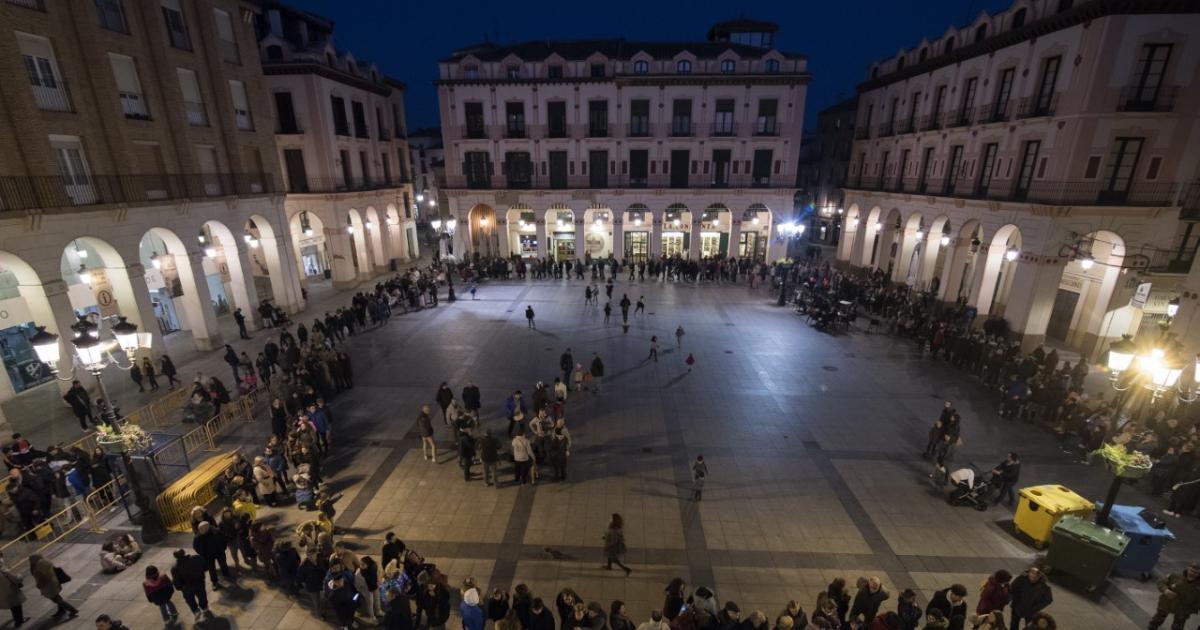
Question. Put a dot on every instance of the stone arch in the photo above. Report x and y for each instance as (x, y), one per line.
(239, 287)
(599, 231)
(850, 229)
(521, 230)
(188, 295)
(374, 237)
(912, 244)
(397, 246)
(961, 276)
(933, 253)
(482, 230)
(359, 254)
(267, 261)
(310, 242)
(111, 290)
(676, 230)
(868, 230)
(888, 230)
(713, 240)
(560, 232)
(1093, 275)
(19, 279)
(998, 264)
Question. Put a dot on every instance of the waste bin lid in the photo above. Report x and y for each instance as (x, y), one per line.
(1087, 531)
(1056, 499)
(1128, 519)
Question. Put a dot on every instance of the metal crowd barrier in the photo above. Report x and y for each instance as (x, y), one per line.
(44, 535)
(197, 487)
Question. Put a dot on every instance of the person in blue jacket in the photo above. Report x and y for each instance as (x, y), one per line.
(469, 610)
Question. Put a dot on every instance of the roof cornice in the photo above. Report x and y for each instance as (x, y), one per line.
(791, 78)
(281, 68)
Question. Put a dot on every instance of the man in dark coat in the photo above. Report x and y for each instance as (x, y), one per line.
(952, 603)
(210, 544)
(80, 402)
(1009, 473)
(466, 453)
(1179, 597)
(397, 613)
(188, 575)
(868, 600)
(470, 398)
(565, 363)
(1030, 594)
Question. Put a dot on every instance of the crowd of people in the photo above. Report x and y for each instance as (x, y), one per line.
(660, 268)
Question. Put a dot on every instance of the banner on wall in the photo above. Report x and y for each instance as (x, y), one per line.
(1141, 295)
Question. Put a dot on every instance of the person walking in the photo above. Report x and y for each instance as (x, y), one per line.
(565, 363)
(49, 580)
(425, 429)
(231, 358)
(240, 318)
(80, 402)
(471, 399)
(489, 457)
(679, 336)
(1179, 596)
(1031, 594)
(529, 316)
(597, 371)
(148, 374)
(699, 475)
(167, 368)
(614, 544)
(514, 406)
(135, 375)
(466, 453)
(444, 397)
(607, 311)
(159, 590)
(653, 349)
(188, 574)
(1009, 473)
(523, 458)
(690, 361)
(641, 305)
(560, 449)
(11, 596)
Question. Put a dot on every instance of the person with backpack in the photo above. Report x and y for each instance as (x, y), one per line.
(159, 590)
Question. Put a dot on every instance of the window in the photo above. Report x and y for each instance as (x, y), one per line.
(293, 161)
(477, 169)
(360, 119)
(241, 106)
(598, 169)
(639, 117)
(987, 164)
(639, 164)
(49, 91)
(771, 66)
(1155, 166)
(380, 130)
(1018, 19)
(597, 119)
(953, 168)
(968, 100)
(900, 63)
(129, 89)
(557, 115)
(722, 166)
(111, 14)
(193, 102)
(679, 168)
(728, 65)
(1045, 89)
(558, 169)
(641, 67)
(723, 117)
(761, 175)
(683, 67)
(226, 38)
(387, 167)
(474, 119)
(176, 28)
(921, 56)
(554, 72)
(935, 114)
(949, 45)
(514, 119)
(1122, 164)
(912, 111)
(206, 164)
(764, 125)
(981, 33)
(519, 169)
(470, 72)
(926, 166)
(1092, 170)
(364, 165)
(597, 70)
(1029, 158)
(1151, 68)
(347, 169)
(1003, 92)
(341, 125)
(513, 72)
(681, 117)
(274, 52)
(903, 166)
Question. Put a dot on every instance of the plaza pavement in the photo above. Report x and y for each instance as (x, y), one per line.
(812, 443)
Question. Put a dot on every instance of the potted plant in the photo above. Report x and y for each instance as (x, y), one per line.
(1124, 463)
(130, 439)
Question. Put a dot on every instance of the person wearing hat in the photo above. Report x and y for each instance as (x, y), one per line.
(1179, 597)
(1030, 595)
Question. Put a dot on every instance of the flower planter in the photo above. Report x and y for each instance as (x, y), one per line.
(1128, 471)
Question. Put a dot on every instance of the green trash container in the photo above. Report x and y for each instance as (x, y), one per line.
(1084, 550)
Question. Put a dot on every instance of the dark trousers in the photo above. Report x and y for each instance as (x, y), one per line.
(242, 330)
(195, 598)
(18, 614)
(1177, 621)
(614, 559)
(63, 606)
(560, 468)
(213, 563)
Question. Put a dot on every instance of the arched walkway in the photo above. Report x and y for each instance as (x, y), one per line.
(935, 244)
(373, 234)
(186, 286)
(754, 233)
(359, 254)
(599, 232)
(311, 245)
(638, 226)
(999, 259)
(1084, 316)
(850, 241)
(27, 305)
(560, 233)
(236, 283)
(482, 230)
(272, 276)
(521, 231)
(676, 231)
(912, 244)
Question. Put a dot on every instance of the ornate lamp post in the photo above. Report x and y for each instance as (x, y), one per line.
(786, 232)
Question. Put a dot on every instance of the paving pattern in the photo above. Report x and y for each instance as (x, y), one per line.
(812, 443)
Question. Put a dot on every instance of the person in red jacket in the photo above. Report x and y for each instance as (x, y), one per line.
(159, 591)
(994, 595)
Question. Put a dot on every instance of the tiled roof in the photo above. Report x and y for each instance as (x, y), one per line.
(578, 50)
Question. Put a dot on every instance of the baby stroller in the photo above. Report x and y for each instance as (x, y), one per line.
(970, 488)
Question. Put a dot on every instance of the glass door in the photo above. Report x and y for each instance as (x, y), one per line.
(672, 244)
(637, 246)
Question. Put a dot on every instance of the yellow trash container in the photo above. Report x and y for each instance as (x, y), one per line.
(1040, 508)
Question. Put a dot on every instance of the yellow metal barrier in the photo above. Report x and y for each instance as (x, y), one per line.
(102, 500)
(198, 439)
(45, 534)
(175, 503)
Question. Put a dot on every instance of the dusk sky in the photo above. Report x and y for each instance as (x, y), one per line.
(840, 37)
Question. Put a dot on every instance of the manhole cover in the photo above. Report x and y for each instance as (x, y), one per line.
(729, 352)
(829, 368)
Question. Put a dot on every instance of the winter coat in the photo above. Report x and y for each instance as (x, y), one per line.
(264, 480)
(867, 603)
(160, 590)
(955, 613)
(188, 572)
(1029, 598)
(436, 605)
(46, 578)
(471, 613)
(1187, 595)
(210, 546)
(994, 596)
(11, 595)
(398, 614)
(614, 542)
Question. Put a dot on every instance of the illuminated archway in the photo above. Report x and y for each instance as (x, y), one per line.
(482, 230)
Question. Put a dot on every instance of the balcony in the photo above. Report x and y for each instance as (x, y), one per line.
(514, 131)
(1060, 193)
(907, 126)
(993, 113)
(474, 132)
(53, 95)
(133, 105)
(862, 133)
(1191, 203)
(1036, 106)
(53, 191)
(288, 128)
(317, 185)
(682, 128)
(870, 183)
(597, 131)
(384, 134)
(361, 132)
(766, 128)
(724, 129)
(1142, 99)
(886, 129)
(931, 122)
(956, 118)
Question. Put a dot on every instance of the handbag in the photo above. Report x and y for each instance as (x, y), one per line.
(61, 575)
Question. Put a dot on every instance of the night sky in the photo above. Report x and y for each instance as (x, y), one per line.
(840, 37)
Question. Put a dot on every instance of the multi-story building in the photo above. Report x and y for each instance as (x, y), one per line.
(824, 172)
(429, 170)
(574, 149)
(1032, 164)
(340, 132)
(138, 176)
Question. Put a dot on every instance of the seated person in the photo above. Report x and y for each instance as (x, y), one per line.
(111, 561)
(127, 548)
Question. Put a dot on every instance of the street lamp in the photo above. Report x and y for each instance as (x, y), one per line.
(1011, 254)
(1172, 307)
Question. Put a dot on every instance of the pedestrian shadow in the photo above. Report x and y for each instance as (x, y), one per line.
(212, 623)
(675, 380)
(545, 334)
(235, 593)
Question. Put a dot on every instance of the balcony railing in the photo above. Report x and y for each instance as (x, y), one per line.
(1191, 203)
(514, 131)
(336, 185)
(682, 129)
(870, 183)
(1065, 193)
(766, 128)
(384, 134)
(196, 115)
(133, 104)
(930, 122)
(638, 128)
(907, 125)
(886, 129)
(476, 132)
(53, 191)
(288, 128)
(597, 131)
(725, 128)
(956, 118)
(1035, 106)
(862, 133)
(992, 113)
(1135, 99)
(53, 95)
